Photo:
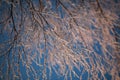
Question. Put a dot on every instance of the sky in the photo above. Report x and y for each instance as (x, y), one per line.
(4, 36)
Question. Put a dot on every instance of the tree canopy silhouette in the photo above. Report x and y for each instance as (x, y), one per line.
(71, 38)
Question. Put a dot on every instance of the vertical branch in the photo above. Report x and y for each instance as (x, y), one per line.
(9, 66)
(12, 16)
(41, 5)
(99, 6)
